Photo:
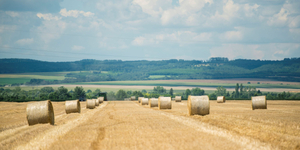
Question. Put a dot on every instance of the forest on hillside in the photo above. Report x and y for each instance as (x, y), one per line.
(116, 70)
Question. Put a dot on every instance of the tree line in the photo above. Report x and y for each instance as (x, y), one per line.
(61, 94)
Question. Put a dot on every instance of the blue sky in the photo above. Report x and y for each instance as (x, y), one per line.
(68, 30)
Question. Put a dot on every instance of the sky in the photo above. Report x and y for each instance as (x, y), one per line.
(69, 30)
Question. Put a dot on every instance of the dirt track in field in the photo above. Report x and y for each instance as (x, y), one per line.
(128, 125)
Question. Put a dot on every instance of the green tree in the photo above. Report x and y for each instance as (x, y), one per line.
(121, 94)
(221, 91)
(129, 92)
(187, 93)
(137, 94)
(171, 92)
(96, 93)
(197, 92)
(111, 95)
(144, 91)
(47, 90)
(17, 89)
(63, 93)
(241, 88)
(159, 89)
(237, 90)
(78, 92)
(212, 96)
(53, 95)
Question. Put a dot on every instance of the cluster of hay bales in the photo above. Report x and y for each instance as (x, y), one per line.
(140, 99)
(153, 102)
(96, 102)
(72, 106)
(127, 99)
(40, 112)
(221, 99)
(177, 98)
(90, 103)
(101, 99)
(144, 101)
(198, 105)
(132, 98)
(259, 102)
(164, 103)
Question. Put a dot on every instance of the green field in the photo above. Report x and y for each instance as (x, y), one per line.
(13, 80)
(25, 77)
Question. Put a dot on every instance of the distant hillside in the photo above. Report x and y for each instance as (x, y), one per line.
(215, 68)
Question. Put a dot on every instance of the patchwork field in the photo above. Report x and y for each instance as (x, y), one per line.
(25, 77)
(128, 125)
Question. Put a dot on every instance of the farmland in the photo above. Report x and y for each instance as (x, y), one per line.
(127, 125)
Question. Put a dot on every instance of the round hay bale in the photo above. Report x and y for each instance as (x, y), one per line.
(153, 102)
(132, 98)
(198, 105)
(144, 101)
(40, 112)
(90, 103)
(259, 102)
(177, 98)
(140, 98)
(72, 106)
(164, 103)
(221, 99)
(101, 99)
(97, 102)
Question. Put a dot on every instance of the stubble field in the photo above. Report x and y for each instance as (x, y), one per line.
(128, 125)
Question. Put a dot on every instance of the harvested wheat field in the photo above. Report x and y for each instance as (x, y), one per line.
(128, 125)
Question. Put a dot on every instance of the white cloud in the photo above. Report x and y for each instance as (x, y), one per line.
(232, 36)
(139, 41)
(270, 51)
(77, 48)
(50, 30)
(74, 13)
(47, 16)
(250, 9)
(187, 12)
(279, 19)
(295, 22)
(295, 31)
(180, 37)
(233, 51)
(230, 10)
(153, 7)
(12, 13)
(25, 41)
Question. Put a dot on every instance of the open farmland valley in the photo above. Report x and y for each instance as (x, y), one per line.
(129, 125)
